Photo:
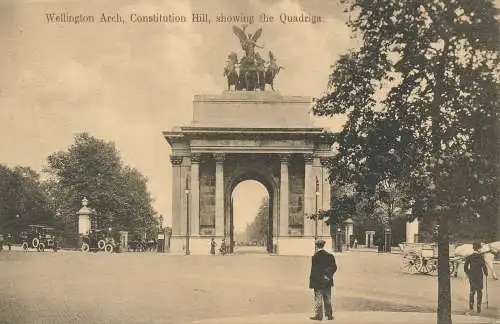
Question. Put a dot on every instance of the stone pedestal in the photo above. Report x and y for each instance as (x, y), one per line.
(412, 229)
(84, 215)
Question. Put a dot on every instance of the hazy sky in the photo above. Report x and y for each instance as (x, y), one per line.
(127, 83)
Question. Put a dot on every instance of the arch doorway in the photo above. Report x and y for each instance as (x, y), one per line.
(259, 185)
(251, 223)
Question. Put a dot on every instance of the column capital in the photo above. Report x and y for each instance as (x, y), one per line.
(195, 158)
(219, 157)
(284, 158)
(325, 161)
(175, 159)
(308, 157)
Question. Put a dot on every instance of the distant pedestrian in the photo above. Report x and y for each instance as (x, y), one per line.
(475, 268)
(355, 243)
(9, 241)
(1, 242)
(212, 246)
(323, 268)
(222, 248)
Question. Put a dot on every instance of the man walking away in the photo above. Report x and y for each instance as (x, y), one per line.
(212, 246)
(475, 267)
(323, 268)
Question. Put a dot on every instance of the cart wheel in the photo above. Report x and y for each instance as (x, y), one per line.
(433, 269)
(108, 248)
(25, 246)
(35, 242)
(85, 247)
(101, 244)
(411, 263)
(41, 247)
(426, 267)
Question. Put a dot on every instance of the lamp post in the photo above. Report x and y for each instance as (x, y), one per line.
(18, 229)
(316, 216)
(162, 234)
(187, 215)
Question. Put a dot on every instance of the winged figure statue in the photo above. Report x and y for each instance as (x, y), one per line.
(248, 42)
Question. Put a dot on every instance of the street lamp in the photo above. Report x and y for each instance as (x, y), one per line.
(162, 234)
(316, 217)
(187, 215)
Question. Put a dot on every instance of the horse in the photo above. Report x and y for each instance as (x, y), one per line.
(271, 72)
(230, 71)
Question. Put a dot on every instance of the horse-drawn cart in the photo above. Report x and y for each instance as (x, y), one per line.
(423, 258)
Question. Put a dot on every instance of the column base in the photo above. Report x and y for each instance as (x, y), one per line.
(302, 245)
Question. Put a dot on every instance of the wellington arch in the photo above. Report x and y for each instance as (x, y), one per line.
(249, 135)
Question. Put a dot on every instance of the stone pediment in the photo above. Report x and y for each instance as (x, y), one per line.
(252, 109)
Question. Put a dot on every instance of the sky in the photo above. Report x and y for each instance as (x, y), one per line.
(126, 83)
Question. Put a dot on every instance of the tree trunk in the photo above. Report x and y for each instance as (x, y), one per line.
(444, 285)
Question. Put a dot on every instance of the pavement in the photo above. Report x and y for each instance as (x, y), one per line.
(152, 288)
(348, 318)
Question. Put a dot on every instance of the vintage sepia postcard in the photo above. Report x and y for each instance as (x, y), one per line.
(269, 161)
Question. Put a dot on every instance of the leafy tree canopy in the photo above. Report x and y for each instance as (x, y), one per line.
(92, 168)
(22, 194)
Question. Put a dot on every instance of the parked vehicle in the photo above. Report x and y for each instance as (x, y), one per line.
(30, 237)
(47, 239)
(97, 240)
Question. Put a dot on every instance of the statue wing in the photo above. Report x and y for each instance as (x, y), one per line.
(257, 34)
(239, 33)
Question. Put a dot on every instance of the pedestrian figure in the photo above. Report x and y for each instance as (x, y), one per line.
(9, 241)
(212, 246)
(323, 268)
(355, 243)
(222, 249)
(1, 242)
(475, 267)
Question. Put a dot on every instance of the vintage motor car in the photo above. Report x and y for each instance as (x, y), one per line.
(47, 239)
(97, 240)
(38, 237)
(30, 237)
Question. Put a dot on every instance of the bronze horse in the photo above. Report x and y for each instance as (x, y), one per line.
(230, 71)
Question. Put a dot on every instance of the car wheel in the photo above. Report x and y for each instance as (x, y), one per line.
(41, 247)
(35, 242)
(101, 244)
(85, 247)
(108, 248)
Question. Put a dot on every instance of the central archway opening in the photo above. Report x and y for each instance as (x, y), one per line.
(251, 216)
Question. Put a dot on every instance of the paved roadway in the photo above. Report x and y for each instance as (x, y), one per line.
(73, 287)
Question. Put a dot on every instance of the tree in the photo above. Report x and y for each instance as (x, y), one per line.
(258, 230)
(23, 200)
(92, 168)
(420, 97)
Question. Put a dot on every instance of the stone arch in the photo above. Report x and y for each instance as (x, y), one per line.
(263, 175)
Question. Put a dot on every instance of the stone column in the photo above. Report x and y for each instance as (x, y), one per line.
(284, 195)
(177, 191)
(309, 183)
(195, 194)
(219, 195)
(326, 192)
(366, 239)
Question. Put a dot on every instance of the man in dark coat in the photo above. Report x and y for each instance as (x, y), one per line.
(323, 268)
(475, 267)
